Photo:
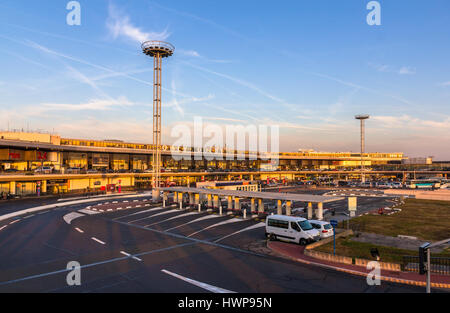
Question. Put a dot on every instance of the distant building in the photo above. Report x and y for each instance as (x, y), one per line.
(418, 161)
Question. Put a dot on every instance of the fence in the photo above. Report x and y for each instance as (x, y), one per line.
(439, 265)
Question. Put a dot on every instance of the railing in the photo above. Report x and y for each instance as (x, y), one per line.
(157, 44)
(439, 265)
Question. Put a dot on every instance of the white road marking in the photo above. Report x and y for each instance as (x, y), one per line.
(141, 212)
(89, 212)
(208, 287)
(64, 204)
(196, 220)
(131, 256)
(233, 220)
(99, 241)
(3, 227)
(242, 230)
(28, 216)
(15, 221)
(172, 218)
(68, 218)
(162, 213)
(79, 230)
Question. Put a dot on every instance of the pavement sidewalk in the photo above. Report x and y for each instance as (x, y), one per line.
(295, 252)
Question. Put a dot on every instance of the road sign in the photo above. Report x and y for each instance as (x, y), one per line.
(334, 223)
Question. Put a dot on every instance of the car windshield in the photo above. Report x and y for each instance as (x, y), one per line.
(305, 225)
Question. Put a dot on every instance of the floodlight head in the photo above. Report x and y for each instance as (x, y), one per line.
(362, 116)
(152, 47)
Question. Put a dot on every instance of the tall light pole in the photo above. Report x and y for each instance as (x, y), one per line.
(157, 50)
(362, 118)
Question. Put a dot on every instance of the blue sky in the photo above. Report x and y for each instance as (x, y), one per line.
(307, 66)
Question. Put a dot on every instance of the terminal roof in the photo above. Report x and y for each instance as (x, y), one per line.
(257, 195)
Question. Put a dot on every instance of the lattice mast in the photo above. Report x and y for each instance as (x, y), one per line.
(157, 50)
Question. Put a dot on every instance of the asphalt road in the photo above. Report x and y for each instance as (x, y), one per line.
(150, 249)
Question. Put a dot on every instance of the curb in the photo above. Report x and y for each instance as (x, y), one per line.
(354, 272)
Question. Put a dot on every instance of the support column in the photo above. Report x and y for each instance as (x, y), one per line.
(230, 203)
(319, 213)
(237, 204)
(164, 199)
(44, 186)
(288, 207)
(180, 200)
(197, 202)
(260, 206)
(209, 201)
(216, 201)
(279, 208)
(310, 209)
(253, 205)
(12, 187)
(191, 199)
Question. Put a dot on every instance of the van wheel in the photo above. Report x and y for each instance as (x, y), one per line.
(302, 242)
(272, 237)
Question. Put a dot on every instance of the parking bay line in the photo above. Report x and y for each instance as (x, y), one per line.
(154, 215)
(141, 212)
(233, 220)
(98, 240)
(242, 230)
(131, 256)
(206, 286)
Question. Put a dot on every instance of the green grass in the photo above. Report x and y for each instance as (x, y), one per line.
(424, 219)
(347, 247)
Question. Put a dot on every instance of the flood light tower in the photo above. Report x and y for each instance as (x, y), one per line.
(157, 50)
(362, 118)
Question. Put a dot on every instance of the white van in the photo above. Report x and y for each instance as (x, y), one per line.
(291, 229)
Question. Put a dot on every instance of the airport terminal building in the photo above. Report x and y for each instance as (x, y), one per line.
(27, 151)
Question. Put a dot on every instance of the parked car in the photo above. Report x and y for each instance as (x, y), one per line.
(325, 229)
(73, 170)
(396, 185)
(44, 170)
(383, 185)
(291, 229)
(12, 170)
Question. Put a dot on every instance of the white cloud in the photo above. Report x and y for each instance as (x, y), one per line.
(119, 25)
(191, 53)
(93, 105)
(445, 84)
(413, 123)
(406, 70)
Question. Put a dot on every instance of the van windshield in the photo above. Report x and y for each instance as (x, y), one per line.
(305, 225)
